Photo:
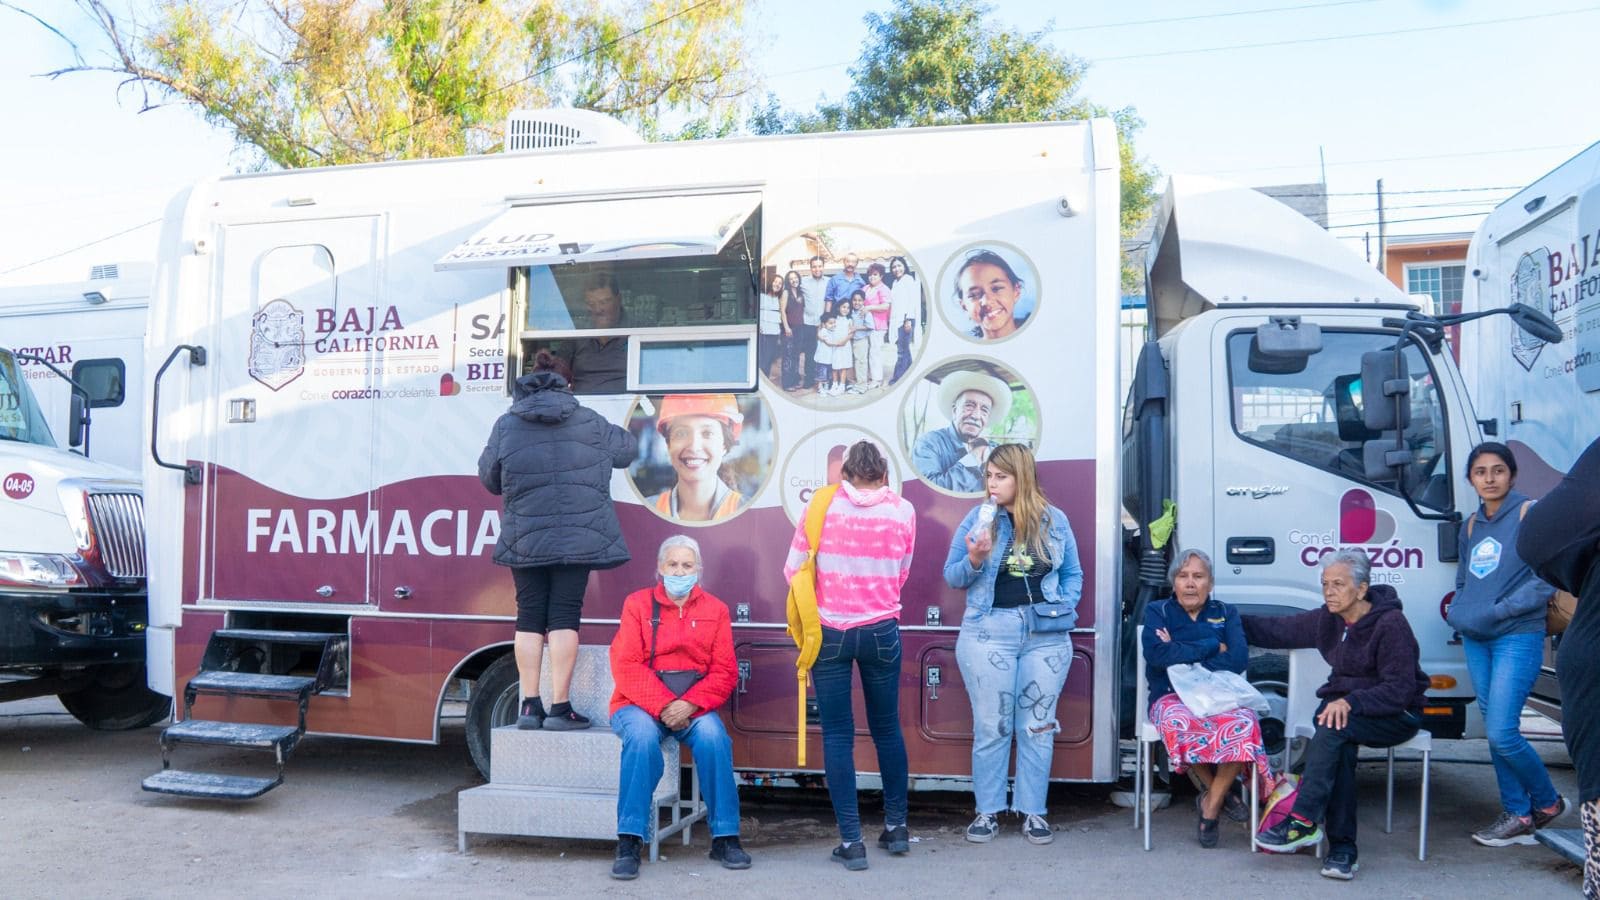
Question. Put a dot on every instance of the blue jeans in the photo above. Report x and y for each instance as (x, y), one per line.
(642, 767)
(1503, 671)
(1014, 679)
(876, 650)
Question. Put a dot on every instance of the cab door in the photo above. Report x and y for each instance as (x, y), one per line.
(290, 507)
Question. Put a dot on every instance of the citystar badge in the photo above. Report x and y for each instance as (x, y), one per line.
(277, 344)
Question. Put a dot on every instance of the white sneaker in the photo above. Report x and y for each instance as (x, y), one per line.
(983, 829)
(1037, 830)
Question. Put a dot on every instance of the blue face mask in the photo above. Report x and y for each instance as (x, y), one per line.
(679, 585)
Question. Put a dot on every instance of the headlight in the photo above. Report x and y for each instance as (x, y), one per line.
(38, 570)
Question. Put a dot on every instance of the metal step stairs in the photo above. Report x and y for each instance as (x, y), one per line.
(255, 664)
(563, 784)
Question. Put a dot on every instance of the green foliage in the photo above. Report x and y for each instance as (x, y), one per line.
(945, 62)
(318, 82)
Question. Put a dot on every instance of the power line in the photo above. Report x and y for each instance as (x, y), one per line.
(1388, 221)
(1220, 15)
(1362, 211)
(1349, 37)
(1363, 162)
(1127, 24)
(99, 240)
(1506, 187)
(547, 69)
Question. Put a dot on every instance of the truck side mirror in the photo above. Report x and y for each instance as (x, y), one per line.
(1535, 322)
(1283, 345)
(77, 420)
(1381, 456)
(1383, 379)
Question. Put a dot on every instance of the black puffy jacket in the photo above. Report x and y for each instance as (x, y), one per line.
(551, 459)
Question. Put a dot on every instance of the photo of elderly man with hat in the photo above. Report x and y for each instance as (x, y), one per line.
(953, 457)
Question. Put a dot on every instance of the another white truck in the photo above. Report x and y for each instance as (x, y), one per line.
(72, 565)
(320, 537)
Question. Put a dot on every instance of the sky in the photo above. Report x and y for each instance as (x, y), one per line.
(1453, 103)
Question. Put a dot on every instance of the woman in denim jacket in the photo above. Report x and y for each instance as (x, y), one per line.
(1013, 675)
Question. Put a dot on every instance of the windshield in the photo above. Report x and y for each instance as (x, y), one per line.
(20, 418)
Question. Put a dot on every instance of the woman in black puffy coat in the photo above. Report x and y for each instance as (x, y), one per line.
(551, 459)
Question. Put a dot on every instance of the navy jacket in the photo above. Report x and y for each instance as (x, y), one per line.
(1197, 640)
(551, 458)
(1374, 661)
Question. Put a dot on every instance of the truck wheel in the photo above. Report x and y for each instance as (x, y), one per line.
(117, 700)
(493, 704)
(1269, 673)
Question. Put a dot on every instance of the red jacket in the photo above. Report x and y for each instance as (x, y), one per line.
(698, 636)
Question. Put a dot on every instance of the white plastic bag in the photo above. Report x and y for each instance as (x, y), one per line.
(1208, 693)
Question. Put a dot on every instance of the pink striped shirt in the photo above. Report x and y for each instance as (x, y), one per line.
(864, 559)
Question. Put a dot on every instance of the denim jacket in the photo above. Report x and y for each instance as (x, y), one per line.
(1064, 583)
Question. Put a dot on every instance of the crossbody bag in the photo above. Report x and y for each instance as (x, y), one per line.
(678, 681)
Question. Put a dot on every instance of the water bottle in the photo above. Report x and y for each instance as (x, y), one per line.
(986, 512)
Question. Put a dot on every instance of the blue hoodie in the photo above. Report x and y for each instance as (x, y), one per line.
(1496, 593)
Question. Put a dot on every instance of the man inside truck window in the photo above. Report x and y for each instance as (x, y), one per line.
(953, 458)
(600, 364)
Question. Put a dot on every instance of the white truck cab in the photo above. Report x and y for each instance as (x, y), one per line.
(72, 566)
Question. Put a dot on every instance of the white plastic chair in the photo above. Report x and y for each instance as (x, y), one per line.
(1309, 671)
(1146, 735)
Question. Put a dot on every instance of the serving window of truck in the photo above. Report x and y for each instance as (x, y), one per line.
(634, 293)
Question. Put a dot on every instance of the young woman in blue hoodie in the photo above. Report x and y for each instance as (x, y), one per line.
(1499, 609)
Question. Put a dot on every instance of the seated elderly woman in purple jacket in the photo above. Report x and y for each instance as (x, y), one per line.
(1373, 697)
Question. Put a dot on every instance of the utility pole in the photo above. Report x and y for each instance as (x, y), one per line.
(1366, 241)
(1383, 232)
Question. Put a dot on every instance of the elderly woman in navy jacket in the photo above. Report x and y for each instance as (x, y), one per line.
(1193, 627)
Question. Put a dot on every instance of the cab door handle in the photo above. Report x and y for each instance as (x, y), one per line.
(1251, 551)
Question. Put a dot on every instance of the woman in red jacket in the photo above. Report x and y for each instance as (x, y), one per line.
(672, 662)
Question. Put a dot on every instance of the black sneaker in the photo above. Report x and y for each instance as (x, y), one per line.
(726, 850)
(983, 829)
(562, 717)
(1290, 835)
(1505, 831)
(530, 716)
(1234, 807)
(851, 856)
(896, 840)
(626, 866)
(1340, 864)
(1542, 819)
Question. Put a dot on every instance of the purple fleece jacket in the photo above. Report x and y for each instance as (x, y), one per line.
(1374, 661)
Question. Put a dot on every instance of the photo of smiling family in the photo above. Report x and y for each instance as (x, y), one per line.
(843, 309)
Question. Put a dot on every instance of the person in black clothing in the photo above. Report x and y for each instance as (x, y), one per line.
(1373, 696)
(1560, 540)
(551, 459)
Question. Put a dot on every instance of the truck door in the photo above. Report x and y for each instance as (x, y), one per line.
(291, 516)
(1288, 486)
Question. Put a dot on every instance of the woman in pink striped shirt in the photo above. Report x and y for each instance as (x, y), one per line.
(864, 558)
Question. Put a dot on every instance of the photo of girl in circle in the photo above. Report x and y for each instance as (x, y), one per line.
(702, 457)
(994, 292)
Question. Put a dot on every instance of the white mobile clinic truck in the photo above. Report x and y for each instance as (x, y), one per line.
(1541, 247)
(331, 347)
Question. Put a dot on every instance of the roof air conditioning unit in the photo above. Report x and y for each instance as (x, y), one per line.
(543, 129)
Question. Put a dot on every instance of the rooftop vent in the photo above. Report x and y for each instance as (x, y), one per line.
(103, 272)
(543, 129)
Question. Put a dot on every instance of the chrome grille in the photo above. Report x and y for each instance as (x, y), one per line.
(118, 523)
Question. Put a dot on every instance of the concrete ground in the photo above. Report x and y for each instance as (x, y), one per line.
(357, 818)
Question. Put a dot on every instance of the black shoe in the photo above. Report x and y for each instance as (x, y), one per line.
(852, 856)
(726, 850)
(1542, 819)
(896, 840)
(626, 866)
(562, 717)
(1234, 807)
(1290, 835)
(1208, 827)
(530, 717)
(1340, 864)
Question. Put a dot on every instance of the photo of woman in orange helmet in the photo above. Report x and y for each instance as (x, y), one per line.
(699, 430)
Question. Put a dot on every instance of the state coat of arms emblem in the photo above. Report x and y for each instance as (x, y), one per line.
(277, 344)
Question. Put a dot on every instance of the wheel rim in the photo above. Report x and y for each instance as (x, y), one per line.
(504, 709)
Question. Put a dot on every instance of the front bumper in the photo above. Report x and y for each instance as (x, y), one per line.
(53, 630)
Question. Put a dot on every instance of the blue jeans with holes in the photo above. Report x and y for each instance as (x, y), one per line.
(642, 768)
(1503, 671)
(1014, 679)
(875, 649)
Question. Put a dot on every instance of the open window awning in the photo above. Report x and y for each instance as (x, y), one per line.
(605, 231)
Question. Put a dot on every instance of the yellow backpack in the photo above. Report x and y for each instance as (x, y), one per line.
(805, 624)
